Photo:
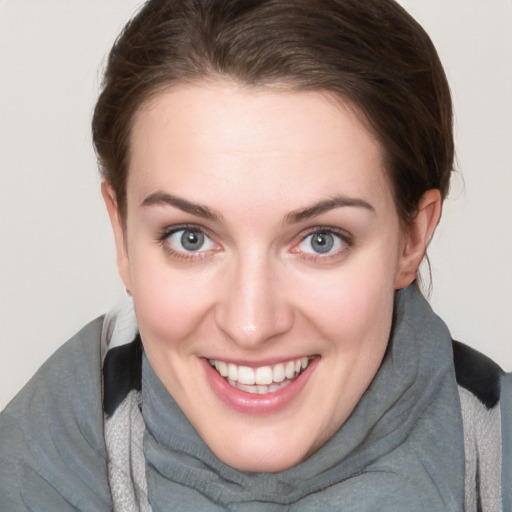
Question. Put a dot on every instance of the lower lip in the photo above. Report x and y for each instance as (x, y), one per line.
(249, 403)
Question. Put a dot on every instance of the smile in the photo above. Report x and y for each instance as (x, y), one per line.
(260, 380)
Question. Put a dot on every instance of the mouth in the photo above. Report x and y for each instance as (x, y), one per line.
(261, 380)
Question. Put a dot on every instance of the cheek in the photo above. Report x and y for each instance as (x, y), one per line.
(170, 304)
(355, 301)
(354, 318)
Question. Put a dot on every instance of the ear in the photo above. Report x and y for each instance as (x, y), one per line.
(123, 263)
(416, 237)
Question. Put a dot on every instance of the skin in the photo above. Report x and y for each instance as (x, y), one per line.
(258, 291)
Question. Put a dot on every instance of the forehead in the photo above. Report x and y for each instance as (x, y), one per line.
(248, 140)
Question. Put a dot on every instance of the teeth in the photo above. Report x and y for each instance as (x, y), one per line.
(264, 379)
(278, 375)
(259, 390)
(232, 371)
(263, 375)
(222, 368)
(290, 370)
(246, 375)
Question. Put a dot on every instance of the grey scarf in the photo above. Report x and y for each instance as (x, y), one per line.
(400, 450)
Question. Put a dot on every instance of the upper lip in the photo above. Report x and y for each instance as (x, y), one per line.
(262, 362)
(261, 375)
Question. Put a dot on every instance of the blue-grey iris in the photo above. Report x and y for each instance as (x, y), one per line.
(192, 240)
(322, 242)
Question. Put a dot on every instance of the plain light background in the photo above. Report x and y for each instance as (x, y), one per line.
(57, 261)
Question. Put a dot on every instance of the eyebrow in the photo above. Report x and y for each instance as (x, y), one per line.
(162, 199)
(325, 206)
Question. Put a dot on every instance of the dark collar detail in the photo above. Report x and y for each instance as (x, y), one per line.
(477, 373)
(122, 372)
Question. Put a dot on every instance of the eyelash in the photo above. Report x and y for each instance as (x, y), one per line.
(345, 238)
(164, 235)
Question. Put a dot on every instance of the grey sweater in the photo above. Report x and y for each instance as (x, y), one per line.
(407, 446)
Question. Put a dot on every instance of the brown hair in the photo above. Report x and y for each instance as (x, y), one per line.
(371, 53)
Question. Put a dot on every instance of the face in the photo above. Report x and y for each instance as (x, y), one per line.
(262, 249)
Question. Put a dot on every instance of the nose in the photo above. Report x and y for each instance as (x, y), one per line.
(254, 307)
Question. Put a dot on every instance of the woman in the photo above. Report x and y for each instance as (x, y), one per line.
(273, 172)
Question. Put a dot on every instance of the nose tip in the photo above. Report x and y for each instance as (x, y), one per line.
(254, 308)
(251, 323)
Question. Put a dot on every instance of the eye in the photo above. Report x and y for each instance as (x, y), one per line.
(323, 242)
(189, 241)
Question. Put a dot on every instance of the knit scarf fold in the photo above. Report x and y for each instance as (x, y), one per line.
(401, 449)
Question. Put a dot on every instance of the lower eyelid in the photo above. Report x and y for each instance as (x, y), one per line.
(346, 242)
(207, 240)
(175, 252)
(182, 255)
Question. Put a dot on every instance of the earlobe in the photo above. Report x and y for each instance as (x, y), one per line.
(417, 235)
(109, 196)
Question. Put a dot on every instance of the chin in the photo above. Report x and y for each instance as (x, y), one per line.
(262, 451)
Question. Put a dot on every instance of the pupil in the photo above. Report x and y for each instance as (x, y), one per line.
(192, 240)
(322, 242)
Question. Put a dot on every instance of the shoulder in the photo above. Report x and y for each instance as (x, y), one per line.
(506, 433)
(479, 380)
(65, 383)
(477, 374)
(52, 452)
